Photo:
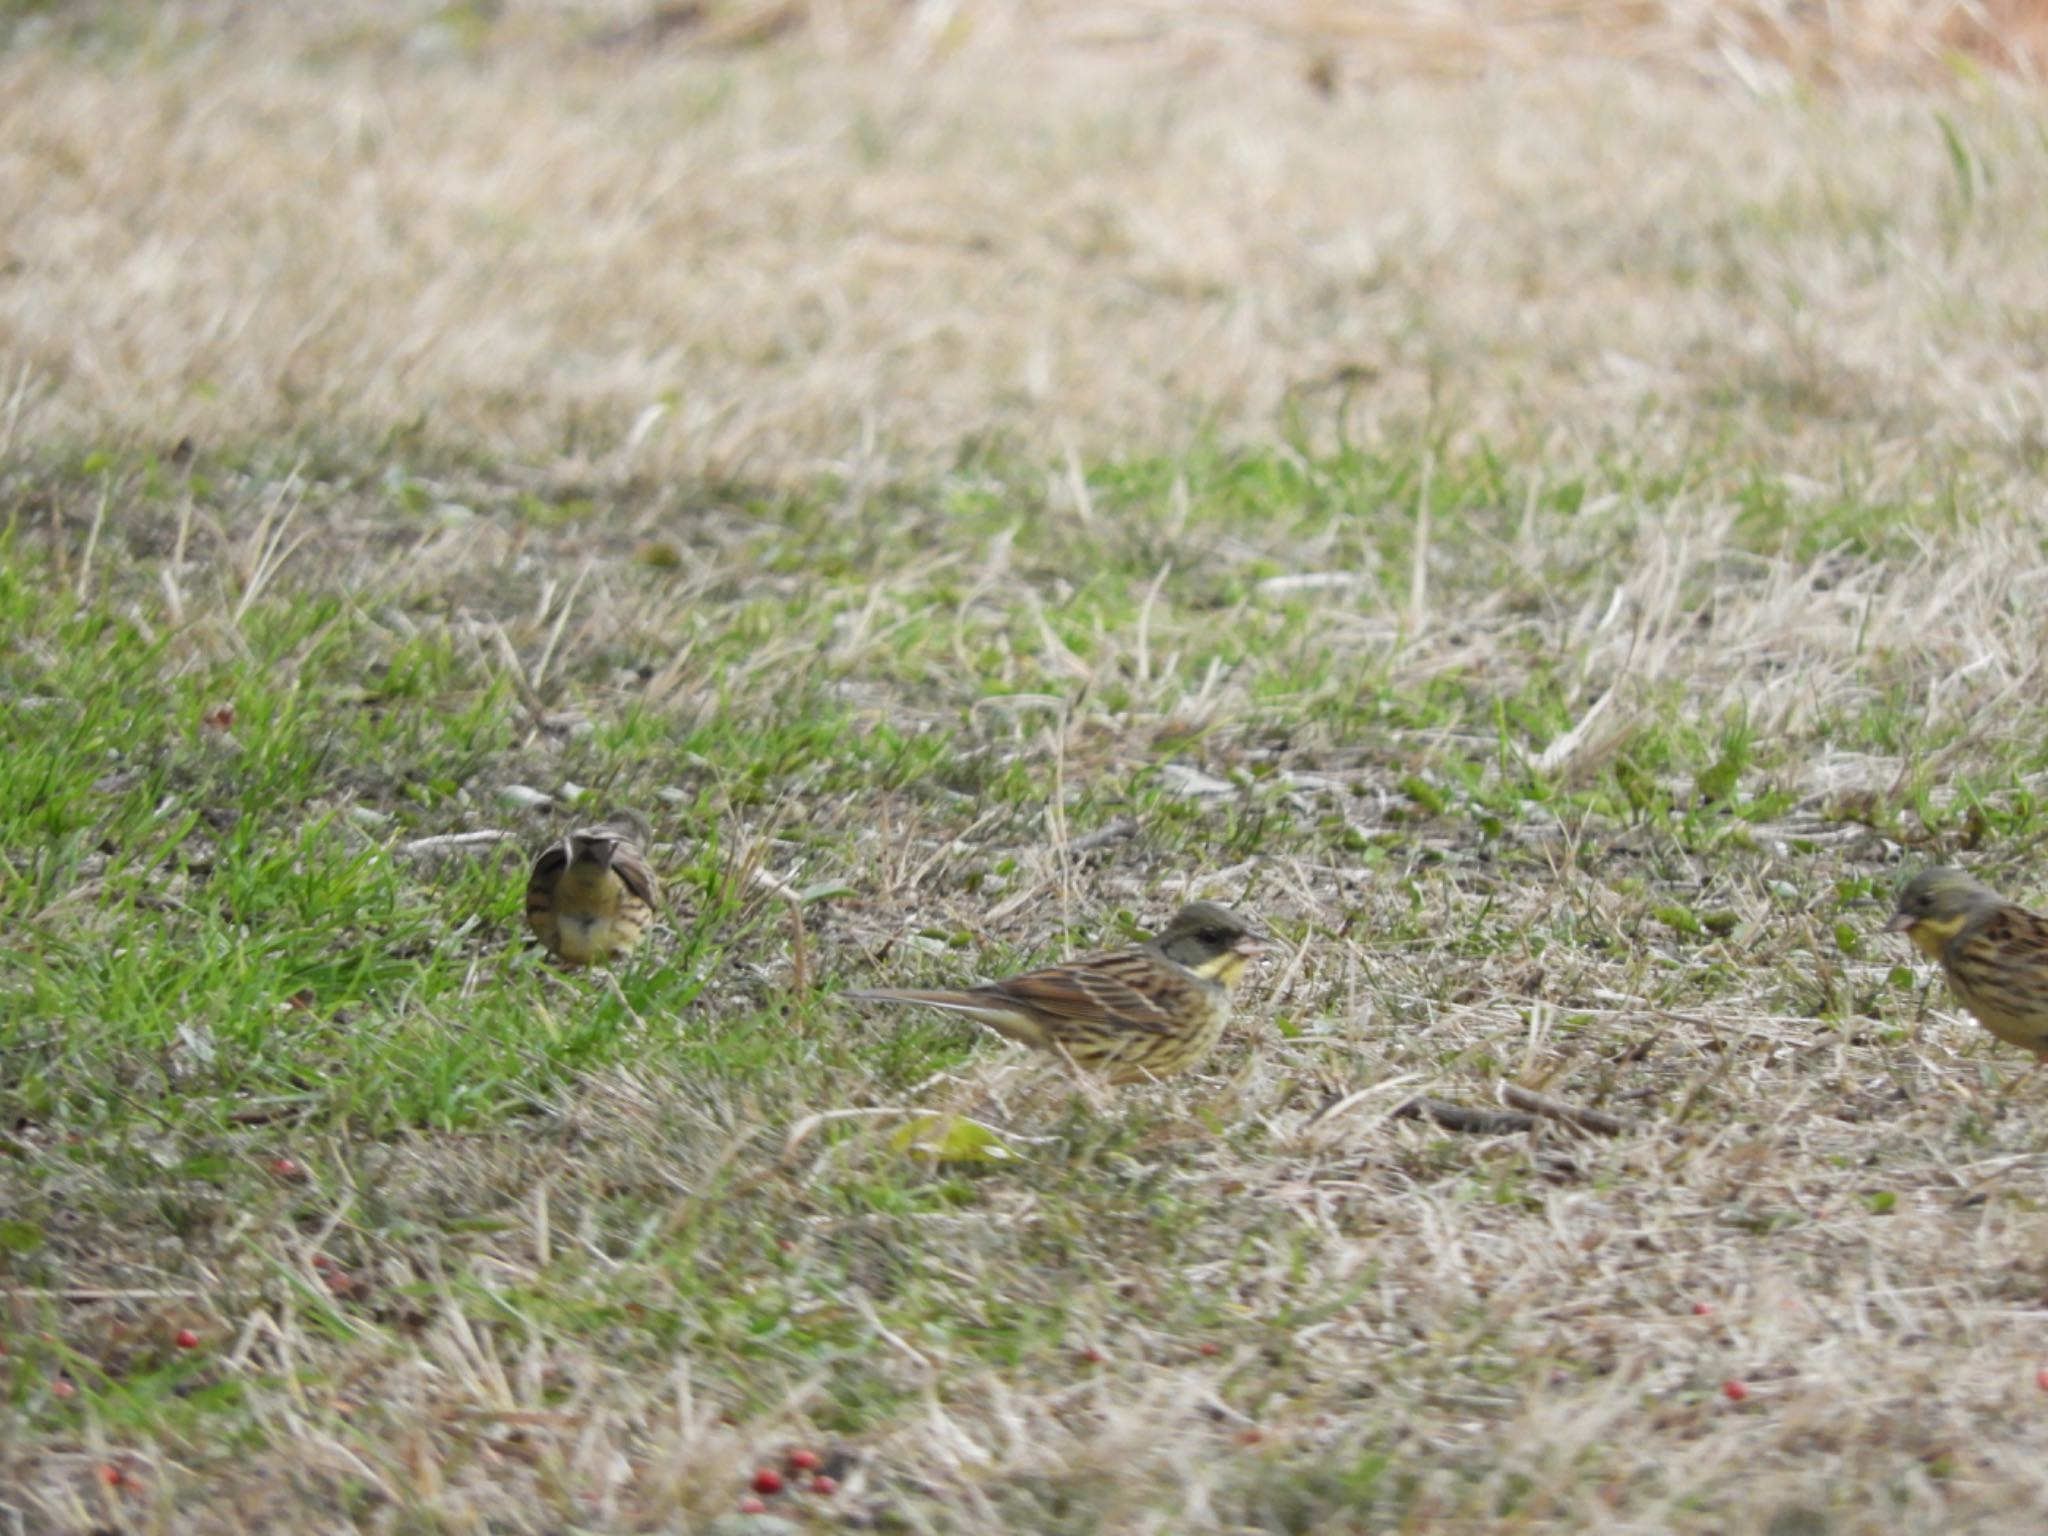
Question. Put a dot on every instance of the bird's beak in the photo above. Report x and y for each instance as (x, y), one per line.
(1900, 923)
(1252, 946)
(600, 850)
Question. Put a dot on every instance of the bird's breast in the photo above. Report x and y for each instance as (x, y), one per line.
(588, 891)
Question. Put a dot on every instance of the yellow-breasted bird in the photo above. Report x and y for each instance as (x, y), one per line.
(1151, 1010)
(1994, 953)
(590, 897)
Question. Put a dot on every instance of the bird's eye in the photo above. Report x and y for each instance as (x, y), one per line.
(1215, 936)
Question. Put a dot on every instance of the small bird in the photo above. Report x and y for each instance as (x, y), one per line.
(1994, 953)
(590, 897)
(1151, 1010)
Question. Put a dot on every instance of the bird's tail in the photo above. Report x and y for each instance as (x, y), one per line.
(1011, 1022)
(960, 1002)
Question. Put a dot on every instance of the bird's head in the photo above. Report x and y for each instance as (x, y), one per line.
(1212, 941)
(1935, 905)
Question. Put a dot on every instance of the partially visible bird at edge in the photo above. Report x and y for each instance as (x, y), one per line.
(1994, 953)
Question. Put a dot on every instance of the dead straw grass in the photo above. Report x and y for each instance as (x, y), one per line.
(664, 261)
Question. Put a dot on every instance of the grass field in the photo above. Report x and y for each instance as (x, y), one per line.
(1546, 515)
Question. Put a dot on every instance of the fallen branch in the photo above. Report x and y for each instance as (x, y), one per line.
(1598, 1121)
(1530, 1110)
(1456, 1117)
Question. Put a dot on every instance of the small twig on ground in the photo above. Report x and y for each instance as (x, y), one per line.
(1457, 1117)
(770, 883)
(1016, 901)
(1598, 1121)
(799, 958)
(268, 1114)
(447, 840)
(1115, 832)
(508, 657)
(1530, 1108)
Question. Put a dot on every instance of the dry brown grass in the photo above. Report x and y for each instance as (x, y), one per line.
(682, 260)
(847, 258)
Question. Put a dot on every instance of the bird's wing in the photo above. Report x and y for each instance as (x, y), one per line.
(2004, 960)
(630, 865)
(547, 869)
(1119, 988)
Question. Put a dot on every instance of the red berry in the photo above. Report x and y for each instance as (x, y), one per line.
(1734, 1391)
(2041, 1378)
(60, 1388)
(752, 1506)
(801, 1460)
(1090, 1356)
(1250, 1436)
(285, 1168)
(767, 1480)
(1211, 1347)
(321, 1261)
(187, 1339)
(1702, 1308)
(824, 1487)
(110, 1474)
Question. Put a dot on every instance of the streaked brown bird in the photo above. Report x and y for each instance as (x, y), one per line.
(1995, 954)
(1151, 1010)
(591, 897)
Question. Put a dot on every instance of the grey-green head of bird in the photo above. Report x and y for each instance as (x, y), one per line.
(1936, 905)
(1212, 941)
